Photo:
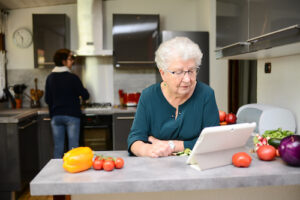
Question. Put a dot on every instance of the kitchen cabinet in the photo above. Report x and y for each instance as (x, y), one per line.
(45, 140)
(232, 22)
(121, 127)
(18, 155)
(50, 33)
(135, 39)
(271, 15)
(250, 29)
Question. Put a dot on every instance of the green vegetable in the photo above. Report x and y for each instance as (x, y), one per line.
(278, 133)
(255, 140)
(186, 152)
(275, 142)
(275, 135)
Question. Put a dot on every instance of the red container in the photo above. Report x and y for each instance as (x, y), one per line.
(131, 99)
(121, 97)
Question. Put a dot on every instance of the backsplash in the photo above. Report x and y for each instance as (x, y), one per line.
(130, 80)
(27, 76)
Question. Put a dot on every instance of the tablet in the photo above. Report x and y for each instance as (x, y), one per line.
(216, 145)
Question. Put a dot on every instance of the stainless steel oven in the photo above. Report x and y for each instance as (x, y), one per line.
(97, 132)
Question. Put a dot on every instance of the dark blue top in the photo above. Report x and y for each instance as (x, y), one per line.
(62, 94)
(156, 117)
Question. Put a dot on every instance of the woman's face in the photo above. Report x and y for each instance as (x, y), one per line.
(180, 76)
(69, 62)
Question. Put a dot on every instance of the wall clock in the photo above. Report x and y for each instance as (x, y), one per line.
(22, 38)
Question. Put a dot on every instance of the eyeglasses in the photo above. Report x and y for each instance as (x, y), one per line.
(180, 74)
(71, 58)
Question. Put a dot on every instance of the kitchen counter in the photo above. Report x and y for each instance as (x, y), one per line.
(16, 115)
(110, 111)
(148, 175)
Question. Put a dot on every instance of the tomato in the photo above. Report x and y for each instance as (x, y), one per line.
(223, 123)
(108, 165)
(266, 152)
(241, 159)
(230, 118)
(119, 162)
(98, 163)
(109, 158)
(222, 115)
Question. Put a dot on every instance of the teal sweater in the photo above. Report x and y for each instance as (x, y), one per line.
(156, 117)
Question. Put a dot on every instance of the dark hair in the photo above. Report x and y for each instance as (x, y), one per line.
(60, 55)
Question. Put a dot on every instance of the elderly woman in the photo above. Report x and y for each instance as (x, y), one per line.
(171, 115)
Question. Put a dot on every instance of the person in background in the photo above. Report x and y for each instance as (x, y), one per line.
(62, 94)
(171, 115)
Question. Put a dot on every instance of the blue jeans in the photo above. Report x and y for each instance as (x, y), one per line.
(60, 124)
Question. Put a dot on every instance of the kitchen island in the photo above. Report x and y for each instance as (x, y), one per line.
(26, 143)
(170, 177)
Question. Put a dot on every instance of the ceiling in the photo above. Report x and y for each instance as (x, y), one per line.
(17, 4)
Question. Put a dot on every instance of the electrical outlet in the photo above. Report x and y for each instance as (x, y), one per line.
(268, 67)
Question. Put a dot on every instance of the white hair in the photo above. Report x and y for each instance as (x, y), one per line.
(178, 47)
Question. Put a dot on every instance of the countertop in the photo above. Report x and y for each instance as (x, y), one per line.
(142, 174)
(16, 115)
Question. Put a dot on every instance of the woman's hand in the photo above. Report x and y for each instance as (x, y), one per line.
(159, 148)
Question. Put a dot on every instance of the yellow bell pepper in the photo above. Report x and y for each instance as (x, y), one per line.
(78, 159)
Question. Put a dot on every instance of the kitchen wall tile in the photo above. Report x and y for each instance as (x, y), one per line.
(132, 80)
(27, 76)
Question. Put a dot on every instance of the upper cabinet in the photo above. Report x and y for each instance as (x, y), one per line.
(50, 32)
(266, 16)
(251, 29)
(135, 39)
(232, 22)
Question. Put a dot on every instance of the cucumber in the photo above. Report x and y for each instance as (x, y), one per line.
(275, 142)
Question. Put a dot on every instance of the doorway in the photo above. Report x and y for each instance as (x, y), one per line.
(242, 83)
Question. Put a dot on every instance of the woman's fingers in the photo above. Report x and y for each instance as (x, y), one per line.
(161, 149)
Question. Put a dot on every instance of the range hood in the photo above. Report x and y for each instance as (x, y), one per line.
(90, 28)
(97, 72)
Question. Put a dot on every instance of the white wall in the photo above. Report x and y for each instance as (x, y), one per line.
(23, 58)
(281, 86)
(218, 68)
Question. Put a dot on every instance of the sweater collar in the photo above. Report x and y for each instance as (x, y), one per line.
(61, 69)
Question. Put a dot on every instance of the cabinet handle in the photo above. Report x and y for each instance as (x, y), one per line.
(136, 62)
(125, 118)
(47, 119)
(234, 45)
(26, 125)
(100, 126)
(273, 33)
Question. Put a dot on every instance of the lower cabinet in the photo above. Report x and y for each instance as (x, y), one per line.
(121, 127)
(45, 140)
(18, 155)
